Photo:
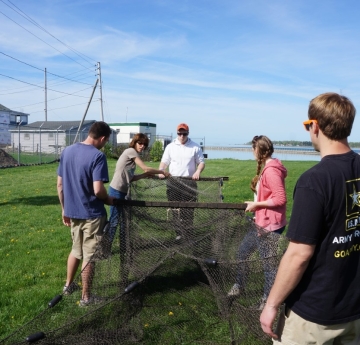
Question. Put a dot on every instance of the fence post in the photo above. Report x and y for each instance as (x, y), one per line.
(40, 141)
(19, 142)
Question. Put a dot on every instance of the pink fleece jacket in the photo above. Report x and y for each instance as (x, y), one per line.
(272, 188)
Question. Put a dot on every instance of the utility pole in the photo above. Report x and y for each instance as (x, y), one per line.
(45, 96)
(100, 87)
(87, 108)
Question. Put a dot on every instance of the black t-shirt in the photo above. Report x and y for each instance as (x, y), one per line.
(326, 213)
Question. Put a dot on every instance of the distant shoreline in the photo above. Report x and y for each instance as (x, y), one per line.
(293, 150)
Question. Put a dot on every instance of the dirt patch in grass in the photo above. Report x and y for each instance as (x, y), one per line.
(6, 159)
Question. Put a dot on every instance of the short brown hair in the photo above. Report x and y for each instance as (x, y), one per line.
(139, 137)
(99, 129)
(334, 113)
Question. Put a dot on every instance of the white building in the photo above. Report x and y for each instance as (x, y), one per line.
(126, 131)
(51, 136)
(10, 119)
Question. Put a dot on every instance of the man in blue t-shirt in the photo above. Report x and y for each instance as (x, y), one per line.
(319, 278)
(82, 173)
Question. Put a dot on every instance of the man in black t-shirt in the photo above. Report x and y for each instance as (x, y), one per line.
(319, 275)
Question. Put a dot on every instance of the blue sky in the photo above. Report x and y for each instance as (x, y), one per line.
(230, 69)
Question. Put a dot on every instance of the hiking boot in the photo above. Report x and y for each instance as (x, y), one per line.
(68, 290)
(91, 301)
(234, 291)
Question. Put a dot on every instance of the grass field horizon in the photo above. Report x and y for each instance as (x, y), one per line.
(34, 244)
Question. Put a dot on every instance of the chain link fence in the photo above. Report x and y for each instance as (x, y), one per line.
(40, 144)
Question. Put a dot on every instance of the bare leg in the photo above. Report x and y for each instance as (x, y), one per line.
(87, 274)
(72, 266)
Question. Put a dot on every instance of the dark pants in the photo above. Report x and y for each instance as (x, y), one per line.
(267, 245)
(181, 190)
(116, 217)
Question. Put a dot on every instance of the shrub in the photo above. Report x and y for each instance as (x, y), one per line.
(107, 149)
(156, 151)
(118, 150)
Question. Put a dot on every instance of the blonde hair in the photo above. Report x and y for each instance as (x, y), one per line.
(264, 149)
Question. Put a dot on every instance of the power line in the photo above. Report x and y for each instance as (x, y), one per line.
(56, 75)
(12, 93)
(23, 87)
(27, 17)
(61, 82)
(74, 105)
(49, 100)
(42, 40)
(41, 87)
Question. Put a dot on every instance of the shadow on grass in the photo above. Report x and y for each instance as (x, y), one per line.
(180, 280)
(40, 200)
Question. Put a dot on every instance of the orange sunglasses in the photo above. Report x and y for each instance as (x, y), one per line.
(308, 123)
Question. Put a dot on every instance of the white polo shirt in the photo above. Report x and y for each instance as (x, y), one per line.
(182, 160)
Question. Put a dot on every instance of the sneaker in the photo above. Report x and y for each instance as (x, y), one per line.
(91, 301)
(68, 290)
(234, 291)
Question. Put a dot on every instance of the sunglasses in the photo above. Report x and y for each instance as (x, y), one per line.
(185, 134)
(308, 123)
(141, 143)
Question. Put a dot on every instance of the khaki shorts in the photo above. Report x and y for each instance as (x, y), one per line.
(83, 233)
(298, 331)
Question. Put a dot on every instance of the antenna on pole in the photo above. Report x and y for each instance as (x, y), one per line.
(100, 87)
(45, 96)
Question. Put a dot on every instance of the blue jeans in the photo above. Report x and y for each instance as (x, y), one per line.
(267, 245)
(116, 215)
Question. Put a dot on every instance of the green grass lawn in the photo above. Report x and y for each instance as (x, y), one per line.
(30, 158)
(34, 244)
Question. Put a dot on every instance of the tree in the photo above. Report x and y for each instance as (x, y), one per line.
(156, 151)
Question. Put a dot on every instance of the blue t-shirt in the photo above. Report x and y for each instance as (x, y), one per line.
(81, 165)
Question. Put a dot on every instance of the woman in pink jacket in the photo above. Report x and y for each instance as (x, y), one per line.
(269, 207)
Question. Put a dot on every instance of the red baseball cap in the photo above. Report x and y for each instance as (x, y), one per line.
(183, 126)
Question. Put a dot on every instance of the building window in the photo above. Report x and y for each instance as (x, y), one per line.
(26, 136)
(51, 136)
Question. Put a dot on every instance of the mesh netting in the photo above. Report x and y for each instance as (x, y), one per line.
(208, 189)
(178, 272)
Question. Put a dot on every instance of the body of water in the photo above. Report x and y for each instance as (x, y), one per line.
(245, 155)
(244, 152)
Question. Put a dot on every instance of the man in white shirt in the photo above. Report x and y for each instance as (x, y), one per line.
(184, 159)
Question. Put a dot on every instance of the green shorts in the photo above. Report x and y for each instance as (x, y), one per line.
(83, 233)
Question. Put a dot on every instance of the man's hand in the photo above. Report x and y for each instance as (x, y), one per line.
(267, 319)
(66, 220)
(164, 174)
(196, 175)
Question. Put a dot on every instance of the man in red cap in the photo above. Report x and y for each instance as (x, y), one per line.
(184, 159)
